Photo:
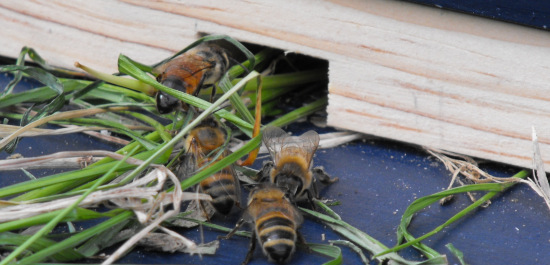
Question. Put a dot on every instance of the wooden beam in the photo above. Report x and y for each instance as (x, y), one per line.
(397, 70)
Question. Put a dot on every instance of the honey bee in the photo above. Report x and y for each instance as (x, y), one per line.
(202, 65)
(292, 156)
(275, 222)
(222, 186)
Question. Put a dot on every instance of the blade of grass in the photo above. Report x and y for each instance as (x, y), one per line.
(295, 79)
(331, 251)
(119, 80)
(218, 227)
(459, 255)
(74, 240)
(104, 239)
(76, 215)
(17, 240)
(58, 116)
(38, 74)
(157, 125)
(310, 108)
(41, 185)
(361, 238)
(39, 94)
(353, 247)
(419, 204)
(50, 225)
(116, 127)
(20, 62)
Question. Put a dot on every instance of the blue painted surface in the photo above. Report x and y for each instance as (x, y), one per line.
(378, 180)
(526, 12)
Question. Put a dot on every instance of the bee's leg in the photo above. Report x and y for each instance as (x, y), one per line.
(204, 210)
(232, 232)
(310, 199)
(323, 176)
(265, 172)
(315, 189)
(302, 242)
(213, 93)
(251, 248)
(233, 61)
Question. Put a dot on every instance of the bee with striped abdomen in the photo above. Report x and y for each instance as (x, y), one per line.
(202, 65)
(291, 168)
(275, 222)
(202, 143)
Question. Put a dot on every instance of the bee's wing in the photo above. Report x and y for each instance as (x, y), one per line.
(186, 166)
(189, 162)
(274, 140)
(237, 186)
(298, 218)
(308, 142)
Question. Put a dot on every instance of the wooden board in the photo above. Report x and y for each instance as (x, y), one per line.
(397, 70)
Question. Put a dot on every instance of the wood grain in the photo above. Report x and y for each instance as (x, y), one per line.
(397, 70)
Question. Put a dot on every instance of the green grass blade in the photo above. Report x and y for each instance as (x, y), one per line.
(20, 62)
(419, 204)
(74, 240)
(459, 255)
(362, 239)
(157, 125)
(77, 215)
(236, 101)
(38, 74)
(353, 247)
(85, 174)
(40, 244)
(331, 251)
(39, 94)
(310, 108)
(103, 239)
(50, 225)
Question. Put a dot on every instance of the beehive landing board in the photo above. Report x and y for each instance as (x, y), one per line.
(398, 70)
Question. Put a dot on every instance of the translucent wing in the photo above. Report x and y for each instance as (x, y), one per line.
(273, 138)
(189, 162)
(280, 144)
(310, 142)
(237, 185)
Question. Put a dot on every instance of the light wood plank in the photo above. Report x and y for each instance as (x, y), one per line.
(397, 70)
(489, 124)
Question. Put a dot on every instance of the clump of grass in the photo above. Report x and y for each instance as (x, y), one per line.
(135, 168)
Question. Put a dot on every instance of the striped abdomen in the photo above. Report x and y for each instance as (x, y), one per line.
(277, 235)
(222, 187)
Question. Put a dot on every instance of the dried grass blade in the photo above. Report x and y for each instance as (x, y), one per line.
(48, 227)
(6, 130)
(57, 116)
(539, 183)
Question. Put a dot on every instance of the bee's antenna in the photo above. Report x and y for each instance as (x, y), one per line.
(240, 64)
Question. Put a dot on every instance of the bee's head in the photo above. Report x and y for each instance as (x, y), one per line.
(290, 183)
(166, 103)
